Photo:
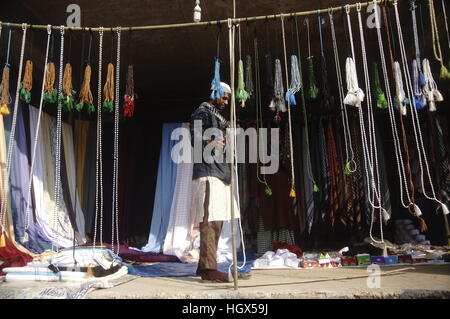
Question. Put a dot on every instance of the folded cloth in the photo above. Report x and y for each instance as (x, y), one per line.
(292, 262)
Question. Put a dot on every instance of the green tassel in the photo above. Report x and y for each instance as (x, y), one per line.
(241, 94)
(347, 169)
(445, 74)
(25, 95)
(79, 107)
(315, 188)
(108, 106)
(268, 191)
(91, 108)
(50, 97)
(312, 90)
(376, 87)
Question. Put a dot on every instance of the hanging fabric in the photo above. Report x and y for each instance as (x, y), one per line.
(241, 94)
(5, 98)
(85, 96)
(416, 124)
(27, 81)
(311, 87)
(444, 73)
(380, 97)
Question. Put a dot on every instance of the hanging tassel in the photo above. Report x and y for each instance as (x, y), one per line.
(27, 82)
(423, 225)
(108, 89)
(292, 193)
(277, 102)
(401, 99)
(379, 94)
(268, 190)
(85, 92)
(416, 210)
(430, 90)
(355, 95)
(444, 74)
(296, 84)
(216, 88)
(249, 76)
(445, 210)
(5, 98)
(315, 188)
(419, 99)
(241, 93)
(67, 89)
(2, 240)
(130, 96)
(50, 94)
(312, 91)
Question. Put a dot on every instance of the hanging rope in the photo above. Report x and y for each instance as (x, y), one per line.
(241, 94)
(291, 151)
(36, 133)
(296, 83)
(5, 98)
(444, 74)
(446, 23)
(402, 100)
(27, 82)
(249, 76)
(68, 93)
(430, 89)
(5, 195)
(130, 95)
(311, 87)
(416, 123)
(108, 89)
(85, 96)
(380, 97)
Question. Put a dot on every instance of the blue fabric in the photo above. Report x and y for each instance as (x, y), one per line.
(19, 179)
(165, 185)
(182, 269)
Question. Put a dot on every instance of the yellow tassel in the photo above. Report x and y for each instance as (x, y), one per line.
(445, 74)
(292, 193)
(2, 240)
(4, 109)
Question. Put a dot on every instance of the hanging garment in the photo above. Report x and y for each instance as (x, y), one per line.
(69, 156)
(34, 240)
(43, 185)
(164, 192)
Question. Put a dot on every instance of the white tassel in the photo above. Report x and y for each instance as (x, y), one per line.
(445, 210)
(386, 216)
(355, 95)
(430, 89)
(401, 96)
(438, 96)
(432, 106)
(272, 106)
(417, 210)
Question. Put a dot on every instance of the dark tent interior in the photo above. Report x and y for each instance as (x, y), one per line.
(173, 69)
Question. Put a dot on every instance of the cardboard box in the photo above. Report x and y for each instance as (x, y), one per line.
(348, 261)
(405, 259)
(391, 260)
(379, 260)
(363, 259)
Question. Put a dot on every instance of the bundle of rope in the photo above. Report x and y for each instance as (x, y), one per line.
(430, 90)
(277, 103)
(241, 94)
(27, 82)
(130, 95)
(85, 96)
(50, 95)
(68, 92)
(296, 83)
(380, 97)
(5, 97)
(108, 89)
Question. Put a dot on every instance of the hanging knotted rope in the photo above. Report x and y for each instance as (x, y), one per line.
(277, 103)
(249, 76)
(402, 100)
(5, 195)
(380, 97)
(416, 123)
(241, 94)
(350, 163)
(444, 74)
(108, 89)
(50, 95)
(403, 184)
(27, 82)
(296, 83)
(430, 90)
(418, 77)
(216, 89)
(68, 93)
(291, 151)
(130, 95)
(5, 97)
(36, 133)
(311, 87)
(85, 96)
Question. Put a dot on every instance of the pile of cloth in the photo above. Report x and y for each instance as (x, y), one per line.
(282, 258)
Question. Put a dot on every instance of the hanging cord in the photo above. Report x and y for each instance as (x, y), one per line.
(259, 123)
(241, 94)
(69, 93)
(446, 22)
(99, 148)
(370, 151)
(311, 87)
(305, 115)
(58, 189)
(27, 80)
(85, 96)
(115, 207)
(5, 97)
(444, 74)
(397, 148)
(355, 95)
(291, 151)
(130, 96)
(350, 163)
(36, 133)
(4, 200)
(416, 122)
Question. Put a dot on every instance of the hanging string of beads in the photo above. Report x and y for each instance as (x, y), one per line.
(85, 97)
(444, 73)
(36, 133)
(27, 81)
(5, 186)
(99, 148)
(5, 97)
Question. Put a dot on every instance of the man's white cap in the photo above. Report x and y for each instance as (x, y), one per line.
(225, 87)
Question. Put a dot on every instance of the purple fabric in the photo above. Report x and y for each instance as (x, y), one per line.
(139, 256)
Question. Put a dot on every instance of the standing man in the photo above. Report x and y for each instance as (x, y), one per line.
(211, 189)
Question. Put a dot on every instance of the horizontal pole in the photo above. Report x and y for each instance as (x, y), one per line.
(197, 24)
